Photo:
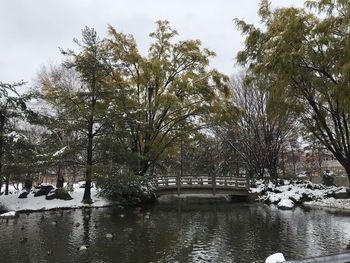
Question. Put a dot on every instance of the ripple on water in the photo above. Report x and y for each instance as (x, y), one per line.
(187, 233)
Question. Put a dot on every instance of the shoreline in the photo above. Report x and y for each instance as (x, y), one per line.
(285, 197)
(40, 203)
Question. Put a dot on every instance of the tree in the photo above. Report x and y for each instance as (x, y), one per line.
(305, 52)
(59, 138)
(85, 104)
(260, 131)
(12, 106)
(166, 95)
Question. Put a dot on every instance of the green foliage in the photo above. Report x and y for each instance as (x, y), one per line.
(164, 92)
(304, 54)
(327, 178)
(126, 188)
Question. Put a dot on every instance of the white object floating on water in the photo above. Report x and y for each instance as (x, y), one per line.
(8, 214)
(275, 258)
(109, 235)
(83, 247)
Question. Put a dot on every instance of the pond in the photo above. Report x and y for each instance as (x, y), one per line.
(178, 232)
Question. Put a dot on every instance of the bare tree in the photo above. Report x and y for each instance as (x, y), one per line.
(261, 130)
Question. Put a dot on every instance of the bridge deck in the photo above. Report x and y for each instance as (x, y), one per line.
(202, 184)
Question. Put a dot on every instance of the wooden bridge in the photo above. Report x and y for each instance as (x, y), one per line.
(171, 185)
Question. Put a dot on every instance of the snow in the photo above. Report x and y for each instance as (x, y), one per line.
(275, 258)
(285, 204)
(292, 192)
(330, 203)
(14, 135)
(8, 214)
(13, 203)
(60, 152)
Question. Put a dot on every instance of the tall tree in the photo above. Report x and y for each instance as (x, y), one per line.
(261, 130)
(86, 104)
(166, 95)
(12, 106)
(60, 137)
(306, 53)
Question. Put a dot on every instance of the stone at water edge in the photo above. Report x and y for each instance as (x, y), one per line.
(23, 194)
(11, 214)
(51, 195)
(341, 193)
(275, 258)
(285, 204)
(43, 190)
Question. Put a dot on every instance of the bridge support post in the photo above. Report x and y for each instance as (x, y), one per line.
(247, 179)
(178, 183)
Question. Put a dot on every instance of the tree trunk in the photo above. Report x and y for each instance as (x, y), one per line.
(283, 163)
(28, 182)
(2, 139)
(7, 182)
(60, 178)
(144, 165)
(293, 160)
(88, 173)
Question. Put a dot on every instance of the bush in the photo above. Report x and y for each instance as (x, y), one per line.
(126, 188)
(327, 178)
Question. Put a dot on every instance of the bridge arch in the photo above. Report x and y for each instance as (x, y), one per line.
(171, 185)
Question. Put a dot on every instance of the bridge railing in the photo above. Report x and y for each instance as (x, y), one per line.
(221, 182)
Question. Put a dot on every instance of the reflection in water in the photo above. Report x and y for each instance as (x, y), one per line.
(173, 233)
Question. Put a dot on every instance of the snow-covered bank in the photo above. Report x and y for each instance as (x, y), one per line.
(331, 202)
(31, 203)
(297, 192)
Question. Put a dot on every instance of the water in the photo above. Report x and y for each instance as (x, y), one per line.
(173, 233)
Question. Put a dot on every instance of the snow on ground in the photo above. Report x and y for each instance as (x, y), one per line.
(330, 203)
(292, 192)
(13, 203)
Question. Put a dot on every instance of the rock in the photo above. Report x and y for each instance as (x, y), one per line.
(341, 194)
(275, 258)
(121, 215)
(280, 182)
(23, 194)
(11, 214)
(51, 195)
(58, 194)
(63, 194)
(43, 190)
(296, 198)
(285, 204)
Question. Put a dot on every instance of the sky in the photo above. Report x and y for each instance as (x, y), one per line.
(33, 30)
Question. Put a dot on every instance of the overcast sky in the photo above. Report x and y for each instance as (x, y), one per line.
(33, 30)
